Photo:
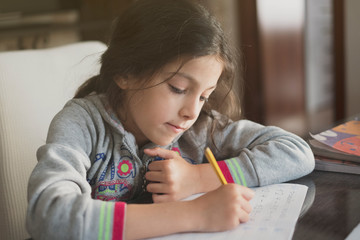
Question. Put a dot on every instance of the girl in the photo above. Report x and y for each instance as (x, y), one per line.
(136, 133)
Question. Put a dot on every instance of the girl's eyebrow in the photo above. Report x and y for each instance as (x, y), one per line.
(189, 77)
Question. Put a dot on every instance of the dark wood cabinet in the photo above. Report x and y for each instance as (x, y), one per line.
(273, 40)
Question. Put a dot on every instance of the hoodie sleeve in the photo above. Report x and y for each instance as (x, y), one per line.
(257, 155)
(59, 197)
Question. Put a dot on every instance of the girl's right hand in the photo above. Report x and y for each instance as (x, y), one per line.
(224, 208)
(218, 210)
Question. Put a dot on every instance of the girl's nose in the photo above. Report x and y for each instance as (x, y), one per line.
(190, 109)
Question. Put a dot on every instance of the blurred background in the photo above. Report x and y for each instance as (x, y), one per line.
(299, 56)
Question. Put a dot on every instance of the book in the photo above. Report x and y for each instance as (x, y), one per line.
(320, 149)
(338, 149)
(335, 165)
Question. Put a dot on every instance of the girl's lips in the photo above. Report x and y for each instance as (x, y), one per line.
(175, 128)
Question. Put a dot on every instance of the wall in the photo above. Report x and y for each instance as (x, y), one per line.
(352, 57)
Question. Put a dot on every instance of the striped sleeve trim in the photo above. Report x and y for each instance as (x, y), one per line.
(111, 221)
(232, 168)
(225, 170)
(119, 220)
(105, 220)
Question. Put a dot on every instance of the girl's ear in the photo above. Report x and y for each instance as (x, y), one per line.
(122, 82)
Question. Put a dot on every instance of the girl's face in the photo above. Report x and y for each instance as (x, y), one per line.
(161, 112)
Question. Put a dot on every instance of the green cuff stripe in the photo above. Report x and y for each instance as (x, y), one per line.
(237, 180)
(109, 216)
(240, 172)
(106, 215)
(101, 220)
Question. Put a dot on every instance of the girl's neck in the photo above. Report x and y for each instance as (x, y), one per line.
(131, 127)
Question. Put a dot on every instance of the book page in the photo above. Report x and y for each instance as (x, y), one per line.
(276, 209)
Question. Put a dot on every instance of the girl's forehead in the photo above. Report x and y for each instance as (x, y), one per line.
(197, 69)
(207, 68)
(186, 61)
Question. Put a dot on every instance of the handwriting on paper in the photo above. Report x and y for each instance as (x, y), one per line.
(276, 209)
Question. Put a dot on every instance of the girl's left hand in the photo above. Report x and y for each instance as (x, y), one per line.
(170, 179)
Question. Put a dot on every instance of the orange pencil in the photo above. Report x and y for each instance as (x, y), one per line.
(210, 157)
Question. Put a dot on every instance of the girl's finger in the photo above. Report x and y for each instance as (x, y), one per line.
(163, 153)
(245, 205)
(244, 217)
(158, 198)
(157, 188)
(157, 165)
(154, 176)
(247, 193)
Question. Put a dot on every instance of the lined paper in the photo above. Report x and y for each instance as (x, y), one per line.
(276, 209)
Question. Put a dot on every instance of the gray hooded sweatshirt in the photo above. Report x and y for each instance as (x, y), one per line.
(91, 167)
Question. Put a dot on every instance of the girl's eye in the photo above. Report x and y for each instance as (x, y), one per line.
(183, 91)
(176, 90)
(204, 99)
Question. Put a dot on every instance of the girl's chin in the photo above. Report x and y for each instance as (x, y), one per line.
(164, 142)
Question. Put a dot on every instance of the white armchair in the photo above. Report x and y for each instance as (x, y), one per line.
(34, 86)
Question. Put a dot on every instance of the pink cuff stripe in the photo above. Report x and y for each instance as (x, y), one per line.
(225, 170)
(119, 221)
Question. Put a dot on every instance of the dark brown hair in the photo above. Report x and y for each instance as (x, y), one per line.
(151, 34)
